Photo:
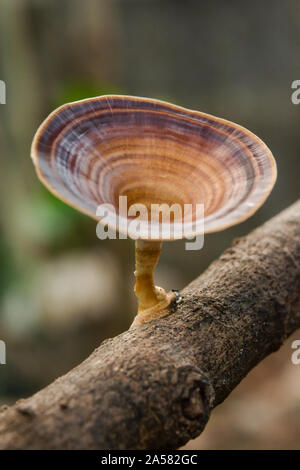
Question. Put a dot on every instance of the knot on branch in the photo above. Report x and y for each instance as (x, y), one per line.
(195, 390)
(191, 400)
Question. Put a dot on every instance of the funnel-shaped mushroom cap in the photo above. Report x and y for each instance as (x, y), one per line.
(92, 151)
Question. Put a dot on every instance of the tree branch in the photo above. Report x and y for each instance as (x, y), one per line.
(155, 385)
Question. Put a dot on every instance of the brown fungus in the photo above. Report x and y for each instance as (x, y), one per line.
(91, 152)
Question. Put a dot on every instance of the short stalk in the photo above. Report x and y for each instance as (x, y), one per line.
(152, 300)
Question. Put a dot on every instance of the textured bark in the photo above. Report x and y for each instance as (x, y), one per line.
(155, 385)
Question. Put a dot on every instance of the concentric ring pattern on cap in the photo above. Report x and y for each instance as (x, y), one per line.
(90, 152)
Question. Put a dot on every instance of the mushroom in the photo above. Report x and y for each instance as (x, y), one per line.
(91, 152)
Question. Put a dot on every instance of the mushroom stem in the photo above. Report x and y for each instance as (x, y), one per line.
(152, 300)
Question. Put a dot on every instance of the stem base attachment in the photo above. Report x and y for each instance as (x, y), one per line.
(153, 301)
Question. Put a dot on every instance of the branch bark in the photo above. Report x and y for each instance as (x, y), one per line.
(155, 385)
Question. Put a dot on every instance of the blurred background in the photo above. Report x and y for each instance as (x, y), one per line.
(234, 59)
